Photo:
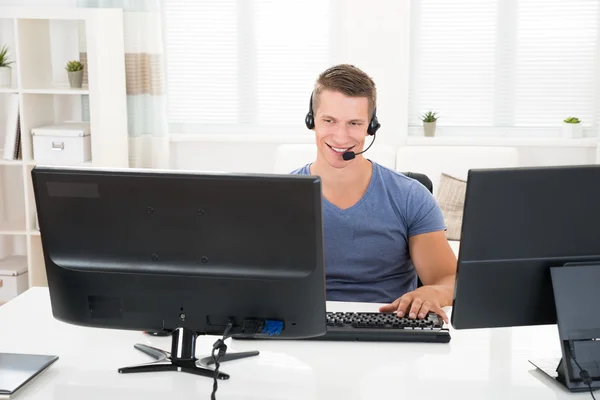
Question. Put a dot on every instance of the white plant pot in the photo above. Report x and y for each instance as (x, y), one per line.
(5, 76)
(572, 130)
(75, 78)
(429, 128)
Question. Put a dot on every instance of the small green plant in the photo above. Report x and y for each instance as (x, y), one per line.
(430, 116)
(73, 66)
(572, 120)
(4, 60)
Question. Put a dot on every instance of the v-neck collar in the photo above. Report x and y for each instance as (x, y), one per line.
(374, 176)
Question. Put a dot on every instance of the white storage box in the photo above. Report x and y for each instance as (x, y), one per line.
(13, 277)
(63, 144)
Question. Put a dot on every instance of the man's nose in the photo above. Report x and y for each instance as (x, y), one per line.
(342, 132)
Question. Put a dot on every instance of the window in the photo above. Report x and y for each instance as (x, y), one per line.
(505, 66)
(243, 66)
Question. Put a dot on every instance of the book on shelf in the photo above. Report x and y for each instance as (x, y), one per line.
(12, 140)
(17, 152)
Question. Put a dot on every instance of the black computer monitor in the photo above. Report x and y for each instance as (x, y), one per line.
(530, 255)
(183, 253)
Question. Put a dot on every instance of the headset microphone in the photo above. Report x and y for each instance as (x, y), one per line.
(349, 155)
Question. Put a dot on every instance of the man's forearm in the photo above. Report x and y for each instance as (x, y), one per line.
(446, 287)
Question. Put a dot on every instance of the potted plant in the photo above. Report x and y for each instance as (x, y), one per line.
(75, 71)
(571, 128)
(5, 69)
(429, 123)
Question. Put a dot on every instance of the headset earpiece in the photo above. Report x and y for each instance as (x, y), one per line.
(309, 120)
(374, 124)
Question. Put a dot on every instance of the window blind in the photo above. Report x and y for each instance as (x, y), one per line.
(556, 61)
(505, 63)
(453, 61)
(243, 66)
(202, 61)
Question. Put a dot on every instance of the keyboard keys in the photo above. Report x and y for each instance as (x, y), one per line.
(375, 326)
(381, 321)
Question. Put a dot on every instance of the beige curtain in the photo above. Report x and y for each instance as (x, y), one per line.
(145, 76)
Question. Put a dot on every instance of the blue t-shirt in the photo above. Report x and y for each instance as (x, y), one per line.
(366, 245)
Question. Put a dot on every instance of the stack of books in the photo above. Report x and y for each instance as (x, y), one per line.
(12, 130)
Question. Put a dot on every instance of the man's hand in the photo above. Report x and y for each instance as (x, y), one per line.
(419, 302)
(435, 264)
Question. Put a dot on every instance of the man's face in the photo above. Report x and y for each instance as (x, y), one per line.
(340, 125)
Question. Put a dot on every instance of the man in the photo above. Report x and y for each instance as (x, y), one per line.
(381, 228)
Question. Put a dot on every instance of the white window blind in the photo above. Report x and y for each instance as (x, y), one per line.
(556, 61)
(243, 66)
(505, 63)
(202, 61)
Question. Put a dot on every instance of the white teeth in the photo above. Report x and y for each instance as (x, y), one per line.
(339, 150)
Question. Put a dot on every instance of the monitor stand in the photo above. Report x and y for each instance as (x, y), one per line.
(576, 298)
(182, 357)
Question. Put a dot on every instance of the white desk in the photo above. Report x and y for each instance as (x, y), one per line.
(477, 364)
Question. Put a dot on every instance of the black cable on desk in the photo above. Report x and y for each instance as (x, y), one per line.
(584, 375)
(222, 349)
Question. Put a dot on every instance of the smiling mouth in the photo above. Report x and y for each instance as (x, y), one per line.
(339, 149)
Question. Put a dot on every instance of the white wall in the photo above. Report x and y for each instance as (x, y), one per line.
(260, 157)
(547, 156)
(229, 157)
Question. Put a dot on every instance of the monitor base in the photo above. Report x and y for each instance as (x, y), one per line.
(183, 345)
(552, 367)
(547, 366)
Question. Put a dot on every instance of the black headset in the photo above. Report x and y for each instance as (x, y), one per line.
(310, 120)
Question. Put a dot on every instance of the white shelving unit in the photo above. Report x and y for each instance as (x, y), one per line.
(41, 85)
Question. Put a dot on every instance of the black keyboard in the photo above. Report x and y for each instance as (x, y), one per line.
(384, 327)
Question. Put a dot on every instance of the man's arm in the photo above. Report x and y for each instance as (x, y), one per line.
(435, 263)
(434, 260)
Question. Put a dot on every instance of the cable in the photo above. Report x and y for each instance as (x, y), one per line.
(222, 347)
(249, 326)
(584, 375)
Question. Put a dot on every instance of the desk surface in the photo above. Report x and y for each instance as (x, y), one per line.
(476, 364)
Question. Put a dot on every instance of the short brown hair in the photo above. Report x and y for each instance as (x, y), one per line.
(349, 80)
